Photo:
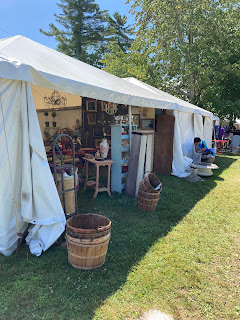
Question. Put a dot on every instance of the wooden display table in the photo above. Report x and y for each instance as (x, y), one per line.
(98, 163)
(221, 144)
(204, 169)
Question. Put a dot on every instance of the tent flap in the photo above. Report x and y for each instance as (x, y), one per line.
(26, 173)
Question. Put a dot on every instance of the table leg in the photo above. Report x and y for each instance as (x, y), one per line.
(108, 184)
(97, 181)
(85, 187)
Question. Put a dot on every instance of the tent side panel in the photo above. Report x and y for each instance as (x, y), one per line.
(11, 141)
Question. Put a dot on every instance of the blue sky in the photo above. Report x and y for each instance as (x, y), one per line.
(25, 17)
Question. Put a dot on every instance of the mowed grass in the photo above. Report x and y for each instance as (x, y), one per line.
(182, 259)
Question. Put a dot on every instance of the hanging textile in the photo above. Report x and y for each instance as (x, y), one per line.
(198, 126)
(180, 163)
(207, 131)
(187, 132)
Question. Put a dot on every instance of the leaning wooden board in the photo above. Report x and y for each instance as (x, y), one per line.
(133, 165)
(141, 162)
(163, 154)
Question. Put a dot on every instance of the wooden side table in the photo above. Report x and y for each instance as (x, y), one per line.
(98, 163)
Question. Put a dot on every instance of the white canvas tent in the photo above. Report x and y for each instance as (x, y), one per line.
(190, 121)
(23, 61)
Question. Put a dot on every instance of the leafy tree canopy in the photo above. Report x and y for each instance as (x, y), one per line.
(193, 46)
(126, 64)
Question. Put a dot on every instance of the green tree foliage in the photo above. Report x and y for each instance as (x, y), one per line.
(118, 58)
(126, 64)
(193, 46)
(119, 32)
(83, 30)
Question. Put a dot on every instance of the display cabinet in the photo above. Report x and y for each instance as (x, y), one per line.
(120, 148)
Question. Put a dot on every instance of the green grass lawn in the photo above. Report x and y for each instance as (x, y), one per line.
(182, 259)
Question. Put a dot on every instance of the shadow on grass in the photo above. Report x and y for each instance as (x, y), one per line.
(49, 288)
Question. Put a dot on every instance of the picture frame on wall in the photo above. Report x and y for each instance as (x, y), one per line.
(91, 119)
(97, 132)
(136, 119)
(103, 105)
(91, 105)
(147, 124)
(97, 143)
(107, 131)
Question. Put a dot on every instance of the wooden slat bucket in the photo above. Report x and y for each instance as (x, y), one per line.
(151, 183)
(147, 201)
(69, 195)
(87, 238)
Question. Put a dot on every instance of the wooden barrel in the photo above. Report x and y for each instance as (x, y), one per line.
(87, 238)
(147, 201)
(151, 183)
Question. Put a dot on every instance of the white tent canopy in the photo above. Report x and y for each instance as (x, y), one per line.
(190, 121)
(179, 104)
(23, 61)
(26, 60)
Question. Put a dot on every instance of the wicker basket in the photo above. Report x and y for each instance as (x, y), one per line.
(151, 183)
(147, 201)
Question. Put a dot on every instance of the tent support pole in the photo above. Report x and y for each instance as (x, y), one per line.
(130, 125)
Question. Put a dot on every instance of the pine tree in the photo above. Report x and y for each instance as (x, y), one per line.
(83, 30)
(119, 32)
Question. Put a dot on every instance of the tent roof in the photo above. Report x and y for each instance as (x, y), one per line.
(164, 95)
(26, 60)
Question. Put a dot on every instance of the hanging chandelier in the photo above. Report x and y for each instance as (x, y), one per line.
(55, 100)
(111, 108)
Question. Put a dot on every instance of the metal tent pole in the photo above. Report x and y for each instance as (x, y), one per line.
(130, 125)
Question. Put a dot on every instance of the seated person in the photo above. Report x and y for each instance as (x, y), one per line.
(207, 154)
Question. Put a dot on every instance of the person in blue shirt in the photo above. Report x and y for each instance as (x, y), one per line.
(207, 153)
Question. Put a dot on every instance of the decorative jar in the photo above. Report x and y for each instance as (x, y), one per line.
(104, 147)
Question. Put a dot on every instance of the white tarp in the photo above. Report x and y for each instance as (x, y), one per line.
(33, 185)
(198, 126)
(208, 131)
(182, 143)
(186, 124)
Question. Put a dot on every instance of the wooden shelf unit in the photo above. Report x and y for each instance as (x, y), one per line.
(120, 155)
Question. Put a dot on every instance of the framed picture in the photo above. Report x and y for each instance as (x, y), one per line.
(91, 105)
(91, 119)
(97, 132)
(147, 124)
(107, 131)
(103, 105)
(97, 143)
(136, 119)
